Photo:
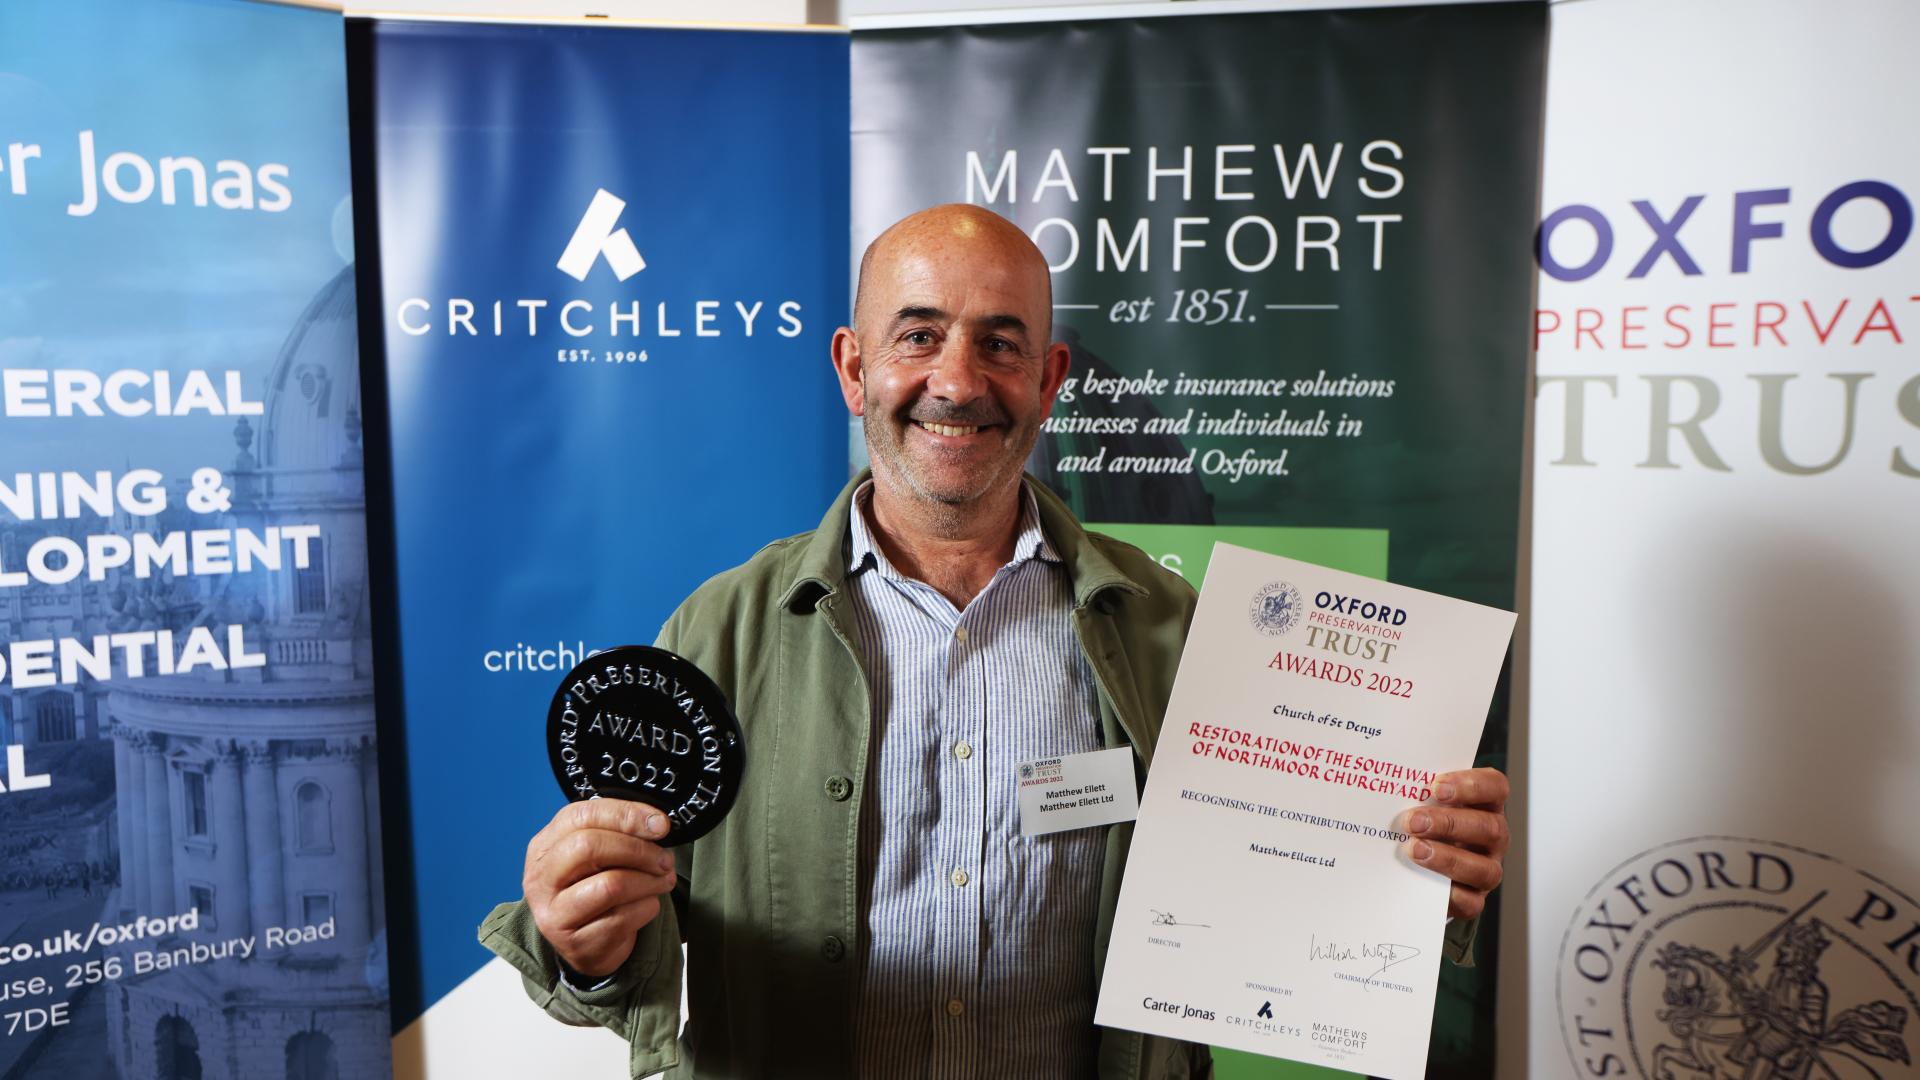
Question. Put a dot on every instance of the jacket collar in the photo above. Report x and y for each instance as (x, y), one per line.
(820, 571)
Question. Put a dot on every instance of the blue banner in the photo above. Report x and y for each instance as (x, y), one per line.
(611, 260)
(190, 821)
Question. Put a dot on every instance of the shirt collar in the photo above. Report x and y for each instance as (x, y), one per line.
(818, 560)
(864, 554)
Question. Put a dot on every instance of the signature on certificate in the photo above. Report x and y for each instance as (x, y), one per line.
(1165, 918)
(1387, 953)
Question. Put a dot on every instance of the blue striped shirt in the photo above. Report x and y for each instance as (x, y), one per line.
(978, 957)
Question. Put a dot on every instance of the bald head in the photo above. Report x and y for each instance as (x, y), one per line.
(949, 233)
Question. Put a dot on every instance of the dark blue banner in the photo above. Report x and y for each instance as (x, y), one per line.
(191, 881)
(611, 260)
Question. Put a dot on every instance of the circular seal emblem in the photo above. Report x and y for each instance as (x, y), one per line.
(1026, 770)
(1725, 958)
(1276, 608)
(641, 723)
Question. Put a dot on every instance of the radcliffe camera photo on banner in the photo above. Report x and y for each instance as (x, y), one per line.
(192, 881)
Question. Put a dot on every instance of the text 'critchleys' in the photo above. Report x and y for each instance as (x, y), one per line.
(584, 318)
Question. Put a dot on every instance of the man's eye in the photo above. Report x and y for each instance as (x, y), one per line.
(1001, 345)
(919, 337)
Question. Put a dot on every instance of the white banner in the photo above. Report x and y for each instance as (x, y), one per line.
(1725, 710)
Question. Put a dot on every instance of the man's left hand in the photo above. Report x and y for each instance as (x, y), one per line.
(1463, 835)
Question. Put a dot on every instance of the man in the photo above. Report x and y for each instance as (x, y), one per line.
(869, 907)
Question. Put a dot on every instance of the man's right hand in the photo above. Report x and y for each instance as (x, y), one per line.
(594, 878)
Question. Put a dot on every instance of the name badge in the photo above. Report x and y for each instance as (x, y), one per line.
(1077, 791)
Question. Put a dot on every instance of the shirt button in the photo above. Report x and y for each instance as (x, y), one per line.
(833, 949)
(963, 750)
(955, 1007)
(960, 633)
(959, 879)
(838, 788)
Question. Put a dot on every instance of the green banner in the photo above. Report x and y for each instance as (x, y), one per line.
(1185, 549)
(1291, 259)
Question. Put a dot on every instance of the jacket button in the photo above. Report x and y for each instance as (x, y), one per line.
(833, 949)
(838, 788)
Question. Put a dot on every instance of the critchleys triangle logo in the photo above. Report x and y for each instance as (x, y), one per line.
(605, 325)
(598, 234)
(1722, 958)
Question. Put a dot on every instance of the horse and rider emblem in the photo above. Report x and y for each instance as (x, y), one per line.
(1731, 1021)
(1740, 958)
(1276, 608)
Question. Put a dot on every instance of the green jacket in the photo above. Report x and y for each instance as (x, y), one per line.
(768, 901)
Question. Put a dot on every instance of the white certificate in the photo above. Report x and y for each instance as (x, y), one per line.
(1267, 906)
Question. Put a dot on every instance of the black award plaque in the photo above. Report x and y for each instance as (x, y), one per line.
(641, 723)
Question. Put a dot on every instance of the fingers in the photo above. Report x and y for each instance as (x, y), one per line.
(621, 923)
(1463, 844)
(599, 948)
(1472, 787)
(1465, 903)
(580, 905)
(583, 854)
(612, 815)
(618, 815)
(1483, 829)
(1462, 867)
(554, 850)
(594, 877)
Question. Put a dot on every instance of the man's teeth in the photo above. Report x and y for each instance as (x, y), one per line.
(948, 429)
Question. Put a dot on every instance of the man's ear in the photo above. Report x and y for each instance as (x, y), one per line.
(1053, 370)
(846, 367)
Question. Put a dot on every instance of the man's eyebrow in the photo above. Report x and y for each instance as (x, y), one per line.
(912, 312)
(1003, 322)
(998, 321)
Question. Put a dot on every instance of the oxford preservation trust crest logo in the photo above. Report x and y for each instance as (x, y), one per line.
(1276, 608)
(1724, 958)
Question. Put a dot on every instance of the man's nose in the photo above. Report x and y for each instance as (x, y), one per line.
(956, 374)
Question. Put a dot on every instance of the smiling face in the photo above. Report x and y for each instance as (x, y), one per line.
(950, 366)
